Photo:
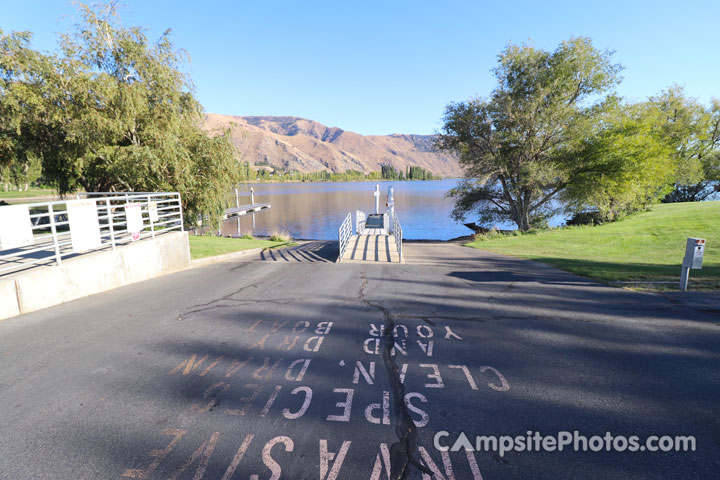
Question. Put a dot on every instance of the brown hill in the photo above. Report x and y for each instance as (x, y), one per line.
(294, 143)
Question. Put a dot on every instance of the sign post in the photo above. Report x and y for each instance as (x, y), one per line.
(377, 199)
(391, 208)
(694, 251)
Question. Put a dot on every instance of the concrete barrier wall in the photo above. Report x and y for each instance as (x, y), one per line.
(96, 272)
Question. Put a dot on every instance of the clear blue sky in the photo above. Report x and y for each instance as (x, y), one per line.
(392, 66)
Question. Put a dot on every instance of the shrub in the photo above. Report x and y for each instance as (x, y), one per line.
(283, 236)
(586, 218)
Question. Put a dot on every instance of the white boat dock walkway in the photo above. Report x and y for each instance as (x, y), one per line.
(368, 247)
(377, 238)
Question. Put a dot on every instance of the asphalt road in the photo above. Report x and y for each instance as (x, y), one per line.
(283, 366)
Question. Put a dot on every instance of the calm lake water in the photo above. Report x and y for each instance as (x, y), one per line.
(316, 210)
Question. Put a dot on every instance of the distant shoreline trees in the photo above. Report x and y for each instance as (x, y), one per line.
(386, 172)
(553, 136)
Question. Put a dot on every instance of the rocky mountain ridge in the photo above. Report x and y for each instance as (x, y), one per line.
(293, 143)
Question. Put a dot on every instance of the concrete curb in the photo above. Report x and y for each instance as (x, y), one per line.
(92, 273)
(201, 262)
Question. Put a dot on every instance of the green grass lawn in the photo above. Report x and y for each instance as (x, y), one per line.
(647, 246)
(202, 246)
(30, 193)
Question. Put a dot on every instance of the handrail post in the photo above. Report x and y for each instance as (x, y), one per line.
(400, 243)
(110, 222)
(152, 225)
(339, 259)
(237, 205)
(252, 202)
(398, 236)
(53, 229)
(182, 223)
(344, 233)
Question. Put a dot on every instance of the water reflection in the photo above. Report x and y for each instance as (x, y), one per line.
(315, 210)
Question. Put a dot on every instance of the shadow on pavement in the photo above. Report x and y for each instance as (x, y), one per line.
(310, 252)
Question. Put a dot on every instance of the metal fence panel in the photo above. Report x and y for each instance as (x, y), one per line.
(161, 212)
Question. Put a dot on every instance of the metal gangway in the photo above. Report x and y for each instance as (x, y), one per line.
(240, 210)
(377, 237)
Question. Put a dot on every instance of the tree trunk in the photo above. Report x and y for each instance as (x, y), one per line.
(523, 224)
(521, 215)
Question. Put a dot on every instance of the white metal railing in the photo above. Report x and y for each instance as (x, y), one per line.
(344, 234)
(397, 231)
(51, 236)
(360, 219)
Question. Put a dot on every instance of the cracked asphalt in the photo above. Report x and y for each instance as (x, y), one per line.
(286, 365)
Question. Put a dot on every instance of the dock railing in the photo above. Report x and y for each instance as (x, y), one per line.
(360, 219)
(344, 234)
(397, 231)
(52, 239)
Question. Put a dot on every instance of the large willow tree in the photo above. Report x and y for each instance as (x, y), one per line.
(519, 146)
(693, 131)
(111, 111)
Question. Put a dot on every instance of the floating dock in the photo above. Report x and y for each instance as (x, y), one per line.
(377, 237)
(241, 210)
